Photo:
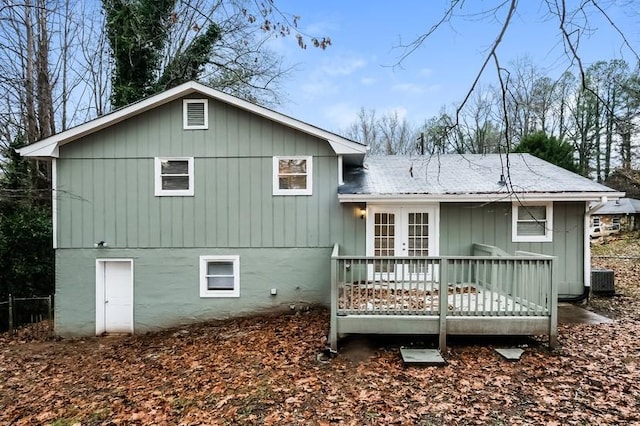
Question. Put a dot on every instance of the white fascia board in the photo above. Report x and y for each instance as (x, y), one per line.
(495, 197)
(49, 147)
(339, 144)
(37, 150)
(45, 147)
(347, 147)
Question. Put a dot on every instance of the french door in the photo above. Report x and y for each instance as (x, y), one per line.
(402, 231)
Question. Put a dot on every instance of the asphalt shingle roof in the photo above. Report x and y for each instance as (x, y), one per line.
(463, 174)
(622, 206)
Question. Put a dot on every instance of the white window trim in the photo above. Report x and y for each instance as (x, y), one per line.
(159, 192)
(185, 121)
(204, 291)
(276, 181)
(547, 238)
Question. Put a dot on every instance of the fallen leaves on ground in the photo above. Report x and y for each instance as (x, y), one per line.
(266, 370)
(622, 255)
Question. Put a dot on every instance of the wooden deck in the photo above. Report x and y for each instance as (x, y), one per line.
(495, 294)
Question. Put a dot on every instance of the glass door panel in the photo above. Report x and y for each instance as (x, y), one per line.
(384, 240)
(401, 232)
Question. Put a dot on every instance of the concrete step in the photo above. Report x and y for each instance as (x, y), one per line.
(511, 354)
(427, 357)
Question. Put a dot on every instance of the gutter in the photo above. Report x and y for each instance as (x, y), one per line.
(592, 209)
(481, 197)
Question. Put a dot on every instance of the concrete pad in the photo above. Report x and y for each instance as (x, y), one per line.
(569, 313)
(430, 357)
(511, 354)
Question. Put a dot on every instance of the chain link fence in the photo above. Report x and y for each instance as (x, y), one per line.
(18, 312)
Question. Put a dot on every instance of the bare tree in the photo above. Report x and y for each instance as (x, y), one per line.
(364, 129)
(389, 134)
(480, 127)
(626, 122)
(397, 136)
(572, 20)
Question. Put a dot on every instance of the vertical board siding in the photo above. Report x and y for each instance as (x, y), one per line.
(463, 224)
(108, 182)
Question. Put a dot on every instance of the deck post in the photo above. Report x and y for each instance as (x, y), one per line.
(443, 304)
(333, 321)
(553, 319)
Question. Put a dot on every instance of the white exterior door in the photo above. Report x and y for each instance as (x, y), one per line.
(402, 231)
(114, 296)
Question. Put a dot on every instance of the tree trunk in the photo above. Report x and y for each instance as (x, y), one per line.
(29, 118)
(45, 95)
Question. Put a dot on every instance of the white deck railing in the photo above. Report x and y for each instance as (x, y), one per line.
(491, 284)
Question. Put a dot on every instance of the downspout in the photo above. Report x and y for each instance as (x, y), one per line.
(587, 253)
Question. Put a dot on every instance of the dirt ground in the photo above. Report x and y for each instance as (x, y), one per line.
(271, 370)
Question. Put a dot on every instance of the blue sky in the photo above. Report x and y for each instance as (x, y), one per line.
(327, 88)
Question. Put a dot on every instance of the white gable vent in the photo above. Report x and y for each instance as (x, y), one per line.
(196, 115)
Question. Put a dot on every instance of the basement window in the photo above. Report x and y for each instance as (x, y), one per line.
(195, 114)
(219, 276)
(532, 222)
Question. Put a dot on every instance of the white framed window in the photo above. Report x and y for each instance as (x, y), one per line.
(220, 276)
(195, 114)
(293, 175)
(173, 176)
(595, 220)
(532, 222)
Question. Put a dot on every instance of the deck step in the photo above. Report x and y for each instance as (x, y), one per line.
(511, 354)
(429, 357)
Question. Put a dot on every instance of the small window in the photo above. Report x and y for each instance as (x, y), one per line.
(532, 222)
(174, 176)
(195, 114)
(596, 220)
(292, 175)
(219, 276)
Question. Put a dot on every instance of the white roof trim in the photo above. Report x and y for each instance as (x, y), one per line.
(493, 197)
(48, 147)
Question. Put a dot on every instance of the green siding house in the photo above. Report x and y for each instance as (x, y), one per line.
(192, 205)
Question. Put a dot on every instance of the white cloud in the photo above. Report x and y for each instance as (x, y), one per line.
(313, 88)
(426, 72)
(412, 88)
(320, 28)
(415, 89)
(329, 77)
(341, 115)
(367, 81)
(400, 111)
(342, 66)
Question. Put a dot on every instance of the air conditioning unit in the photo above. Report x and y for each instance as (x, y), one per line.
(602, 282)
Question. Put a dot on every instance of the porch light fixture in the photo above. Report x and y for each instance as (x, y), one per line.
(502, 182)
(363, 212)
(100, 244)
